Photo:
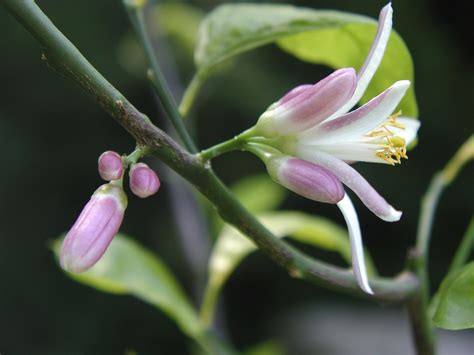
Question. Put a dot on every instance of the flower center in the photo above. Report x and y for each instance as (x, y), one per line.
(392, 147)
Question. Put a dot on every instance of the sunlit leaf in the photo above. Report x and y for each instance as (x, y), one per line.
(336, 39)
(453, 305)
(128, 268)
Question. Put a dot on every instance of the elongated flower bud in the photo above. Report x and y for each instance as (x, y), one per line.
(307, 105)
(110, 166)
(143, 180)
(95, 228)
(306, 179)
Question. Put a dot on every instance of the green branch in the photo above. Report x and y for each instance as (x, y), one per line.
(64, 57)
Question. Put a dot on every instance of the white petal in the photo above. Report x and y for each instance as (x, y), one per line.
(357, 250)
(352, 151)
(372, 62)
(411, 129)
(351, 178)
(361, 121)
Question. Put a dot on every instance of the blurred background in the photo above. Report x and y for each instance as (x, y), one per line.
(51, 135)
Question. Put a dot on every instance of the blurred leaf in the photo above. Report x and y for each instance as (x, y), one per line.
(259, 193)
(179, 21)
(347, 46)
(128, 268)
(453, 305)
(265, 348)
(337, 39)
(232, 246)
(131, 55)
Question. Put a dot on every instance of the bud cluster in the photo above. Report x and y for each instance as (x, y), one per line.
(102, 216)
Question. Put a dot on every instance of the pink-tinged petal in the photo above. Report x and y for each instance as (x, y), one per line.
(360, 121)
(372, 62)
(110, 166)
(295, 92)
(306, 179)
(95, 228)
(351, 178)
(143, 180)
(357, 249)
(304, 107)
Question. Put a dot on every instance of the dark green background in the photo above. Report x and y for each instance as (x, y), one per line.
(51, 135)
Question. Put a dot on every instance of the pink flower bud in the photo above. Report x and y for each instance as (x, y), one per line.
(307, 105)
(143, 181)
(95, 228)
(110, 166)
(306, 179)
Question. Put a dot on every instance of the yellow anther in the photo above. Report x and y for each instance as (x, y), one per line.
(392, 147)
(392, 121)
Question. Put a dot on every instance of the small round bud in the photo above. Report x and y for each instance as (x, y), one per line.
(143, 180)
(110, 166)
(95, 228)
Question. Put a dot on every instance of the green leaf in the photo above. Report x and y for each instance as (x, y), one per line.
(259, 193)
(337, 39)
(347, 46)
(128, 268)
(453, 305)
(232, 246)
(231, 29)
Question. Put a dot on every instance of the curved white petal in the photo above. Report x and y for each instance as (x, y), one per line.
(351, 178)
(352, 151)
(411, 129)
(360, 121)
(373, 59)
(357, 249)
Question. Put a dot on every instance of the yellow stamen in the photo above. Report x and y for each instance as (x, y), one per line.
(394, 147)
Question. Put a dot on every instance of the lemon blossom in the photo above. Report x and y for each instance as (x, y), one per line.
(313, 123)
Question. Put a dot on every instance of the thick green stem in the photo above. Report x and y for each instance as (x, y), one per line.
(64, 57)
(137, 18)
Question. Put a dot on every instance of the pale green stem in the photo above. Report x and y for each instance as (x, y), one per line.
(190, 93)
(464, 250)
(422, 325)
(230, 145)
(208, 306)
